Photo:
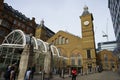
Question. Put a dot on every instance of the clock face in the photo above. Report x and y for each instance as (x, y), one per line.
(86, 23)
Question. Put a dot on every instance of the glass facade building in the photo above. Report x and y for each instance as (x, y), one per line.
(114, 7)
(111, 45)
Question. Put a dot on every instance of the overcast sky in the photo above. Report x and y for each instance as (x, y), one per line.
(64, 15)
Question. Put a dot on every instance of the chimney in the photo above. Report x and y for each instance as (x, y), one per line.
(33, 18)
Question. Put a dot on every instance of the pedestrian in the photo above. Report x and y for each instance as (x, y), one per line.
(59, 71)
(15, 66)
(113, 68)
(28, 74)
(7, 73)
(74, 74)
(62, 73)
(32, 71)
(12, 73)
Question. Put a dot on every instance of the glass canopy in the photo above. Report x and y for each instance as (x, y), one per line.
(18, 39)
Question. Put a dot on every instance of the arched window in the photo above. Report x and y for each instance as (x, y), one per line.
(66, 41)
(60, 40)
(79, 60)
(63, 40)
(106, 61)
(53, 42)
(72, 60)
(105, 57)
(56, 41)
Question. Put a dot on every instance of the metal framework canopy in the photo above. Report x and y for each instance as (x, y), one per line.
(18, 39)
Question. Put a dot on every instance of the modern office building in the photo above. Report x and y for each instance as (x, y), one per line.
(110, 46)
(11, 19)
(114, 7)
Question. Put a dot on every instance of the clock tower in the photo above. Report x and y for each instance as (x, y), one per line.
(88, 40)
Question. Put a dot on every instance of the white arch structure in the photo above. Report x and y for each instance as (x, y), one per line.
(18, 39)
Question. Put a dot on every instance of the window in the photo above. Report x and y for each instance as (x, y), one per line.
(73, 61)
(56, 41)
(15, 22)
(88, 54)
(79, 60)
(59, 51)
(19, 24)
(106, 60)
(63, 40)
(60, 40)
(2, 32)
(66, 41)
(29, 29)
(5, 24)
(105, 57)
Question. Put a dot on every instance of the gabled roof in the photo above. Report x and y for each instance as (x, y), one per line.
(68, 33)
(65, 34)
(44, 27)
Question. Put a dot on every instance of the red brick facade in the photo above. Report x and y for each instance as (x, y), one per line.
(11, 19)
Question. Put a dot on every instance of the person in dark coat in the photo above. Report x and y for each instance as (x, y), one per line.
(7, 73)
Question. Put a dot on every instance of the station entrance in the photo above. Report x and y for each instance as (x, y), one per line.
(14, 44)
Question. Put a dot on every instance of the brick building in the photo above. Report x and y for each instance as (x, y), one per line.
(42, 32)
(79, 51)
(107, 60)
(11, 19)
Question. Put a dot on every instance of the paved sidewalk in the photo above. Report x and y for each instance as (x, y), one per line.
(105, 75)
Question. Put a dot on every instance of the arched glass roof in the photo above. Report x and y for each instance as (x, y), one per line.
(15, 39)
(18, 39)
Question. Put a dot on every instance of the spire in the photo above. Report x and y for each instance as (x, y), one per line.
(85, 8)
(85, 12)
(42, 22)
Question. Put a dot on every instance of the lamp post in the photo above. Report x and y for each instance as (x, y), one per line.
(31, 56)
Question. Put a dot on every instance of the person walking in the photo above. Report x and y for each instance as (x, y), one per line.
(62, 73)
(7, 73)
(12, 73)
(28, 74)
(32, 71)
(74, 74)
